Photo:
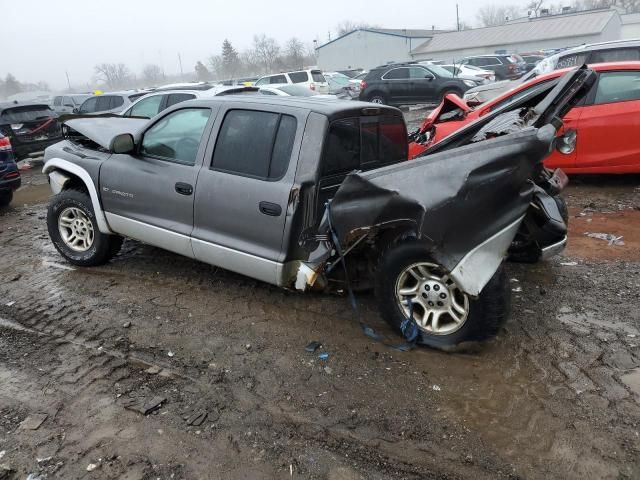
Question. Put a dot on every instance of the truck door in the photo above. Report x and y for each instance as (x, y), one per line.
(244, 188)
(149, 196)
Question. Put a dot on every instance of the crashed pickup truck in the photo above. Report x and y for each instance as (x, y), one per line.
(316, 195)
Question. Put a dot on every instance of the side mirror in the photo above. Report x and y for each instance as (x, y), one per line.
(431, 78)
(122, 143)
(76, 110)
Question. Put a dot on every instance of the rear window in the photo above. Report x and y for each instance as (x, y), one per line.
(317, 76)
(276, 79)
(179, 97)
(25, 113)
(364, 143)
(298, 77)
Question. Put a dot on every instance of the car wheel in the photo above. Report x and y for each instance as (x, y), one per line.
(74, 231)
(6, 198)
(444, 314)
(377, 98)
(447, 92)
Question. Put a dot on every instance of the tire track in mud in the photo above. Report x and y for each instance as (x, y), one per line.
(87, 308)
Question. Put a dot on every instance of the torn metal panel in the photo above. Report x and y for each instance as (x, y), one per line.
(454, 200)
(102, 129)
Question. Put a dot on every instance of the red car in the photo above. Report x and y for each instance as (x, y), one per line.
(607, 122)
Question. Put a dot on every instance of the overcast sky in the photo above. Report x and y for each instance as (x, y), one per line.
(41, 39)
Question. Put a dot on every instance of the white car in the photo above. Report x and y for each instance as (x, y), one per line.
(458, 70)
(287, 90)
(313, 79)
(153, 103)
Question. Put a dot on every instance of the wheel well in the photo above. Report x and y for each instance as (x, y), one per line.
(74, 182)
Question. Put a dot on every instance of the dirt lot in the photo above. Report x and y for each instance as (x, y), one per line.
(556, 395)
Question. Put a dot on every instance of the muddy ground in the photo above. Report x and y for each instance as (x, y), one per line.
(556, 395)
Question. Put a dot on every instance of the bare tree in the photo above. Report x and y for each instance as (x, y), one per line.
(347, 26)
(216, 66)
(294, 53)
(202, 72)
(152, 74)
(11, 85)
(267, 51)
(492, 15)
(535, 6)
(113, 75)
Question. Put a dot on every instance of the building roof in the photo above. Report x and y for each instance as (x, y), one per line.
(395, 32)
(535, 29)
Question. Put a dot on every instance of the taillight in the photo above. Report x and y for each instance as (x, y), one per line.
(363, 85)
(5, 144)
(312, 86)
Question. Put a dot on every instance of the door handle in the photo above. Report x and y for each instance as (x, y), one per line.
(271, 209)
(184, 188)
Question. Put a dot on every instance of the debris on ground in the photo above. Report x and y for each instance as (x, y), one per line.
(197, 418)
(10, 304)
(436, 388)
(171, 354)
(143, 405)
(568, 264)
(126, 325)
(6, 473)
(153, 370)
(92, 466)
(313, 346)
(33, 421)
(2, 454)
(607, 237)
(323, 356)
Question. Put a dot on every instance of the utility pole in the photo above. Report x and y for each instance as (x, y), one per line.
(68, 81)
(181, 72)
(458, 16)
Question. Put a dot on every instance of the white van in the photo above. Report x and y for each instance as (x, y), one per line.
(314, 79)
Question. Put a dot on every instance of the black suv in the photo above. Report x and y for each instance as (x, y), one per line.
(506, 67)
(408, 83)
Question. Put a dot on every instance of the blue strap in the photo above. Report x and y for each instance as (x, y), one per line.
(408, 326)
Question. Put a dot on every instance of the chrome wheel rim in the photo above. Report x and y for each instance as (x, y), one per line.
(439, 306)
(76, 229)
(377, 100)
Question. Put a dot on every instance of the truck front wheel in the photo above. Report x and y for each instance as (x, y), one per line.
(409, 282)
(74, 232)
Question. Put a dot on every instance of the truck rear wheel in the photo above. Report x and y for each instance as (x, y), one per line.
(74, 231)
(444, 314)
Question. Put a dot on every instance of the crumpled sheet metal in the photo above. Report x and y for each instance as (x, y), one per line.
(453, 200)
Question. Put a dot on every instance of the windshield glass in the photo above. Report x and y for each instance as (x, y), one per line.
(297, 90)
(340, 81)
(440, 71)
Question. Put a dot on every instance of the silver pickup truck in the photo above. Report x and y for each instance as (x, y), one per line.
(306, 194)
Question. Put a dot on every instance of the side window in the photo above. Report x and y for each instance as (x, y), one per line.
(492, 61)
(419, 73)
(618, 87)
(299, 77)
(116, 102)
(104, 103)
(89, 106)
(67, 101)
(176, 137)
(266, 156)
(342, 147)
(278, 79)
(572, 60)
(179, 97)
(396, 74)
(615, 55)
(147, 107)
(57, 101)
(262, 81)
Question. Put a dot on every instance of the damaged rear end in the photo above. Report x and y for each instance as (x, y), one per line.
(434, 232)
(30, 127)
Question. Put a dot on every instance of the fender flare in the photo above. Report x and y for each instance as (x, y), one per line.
(60, 165)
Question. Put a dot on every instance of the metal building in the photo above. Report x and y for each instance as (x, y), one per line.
(524, 35)
(369, 47)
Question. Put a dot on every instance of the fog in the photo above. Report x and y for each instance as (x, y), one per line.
(44, 40)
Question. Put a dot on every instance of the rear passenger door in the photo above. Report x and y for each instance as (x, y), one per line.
(243, 191)
(398, 85)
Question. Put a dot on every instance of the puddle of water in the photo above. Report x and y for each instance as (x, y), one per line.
(32, 195)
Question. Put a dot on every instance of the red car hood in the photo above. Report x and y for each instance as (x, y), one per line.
(450, 103)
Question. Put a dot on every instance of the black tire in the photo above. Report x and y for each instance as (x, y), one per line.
(378, 98)
(103, 248)
(447, 92)
(6, 198)
(486, 314)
